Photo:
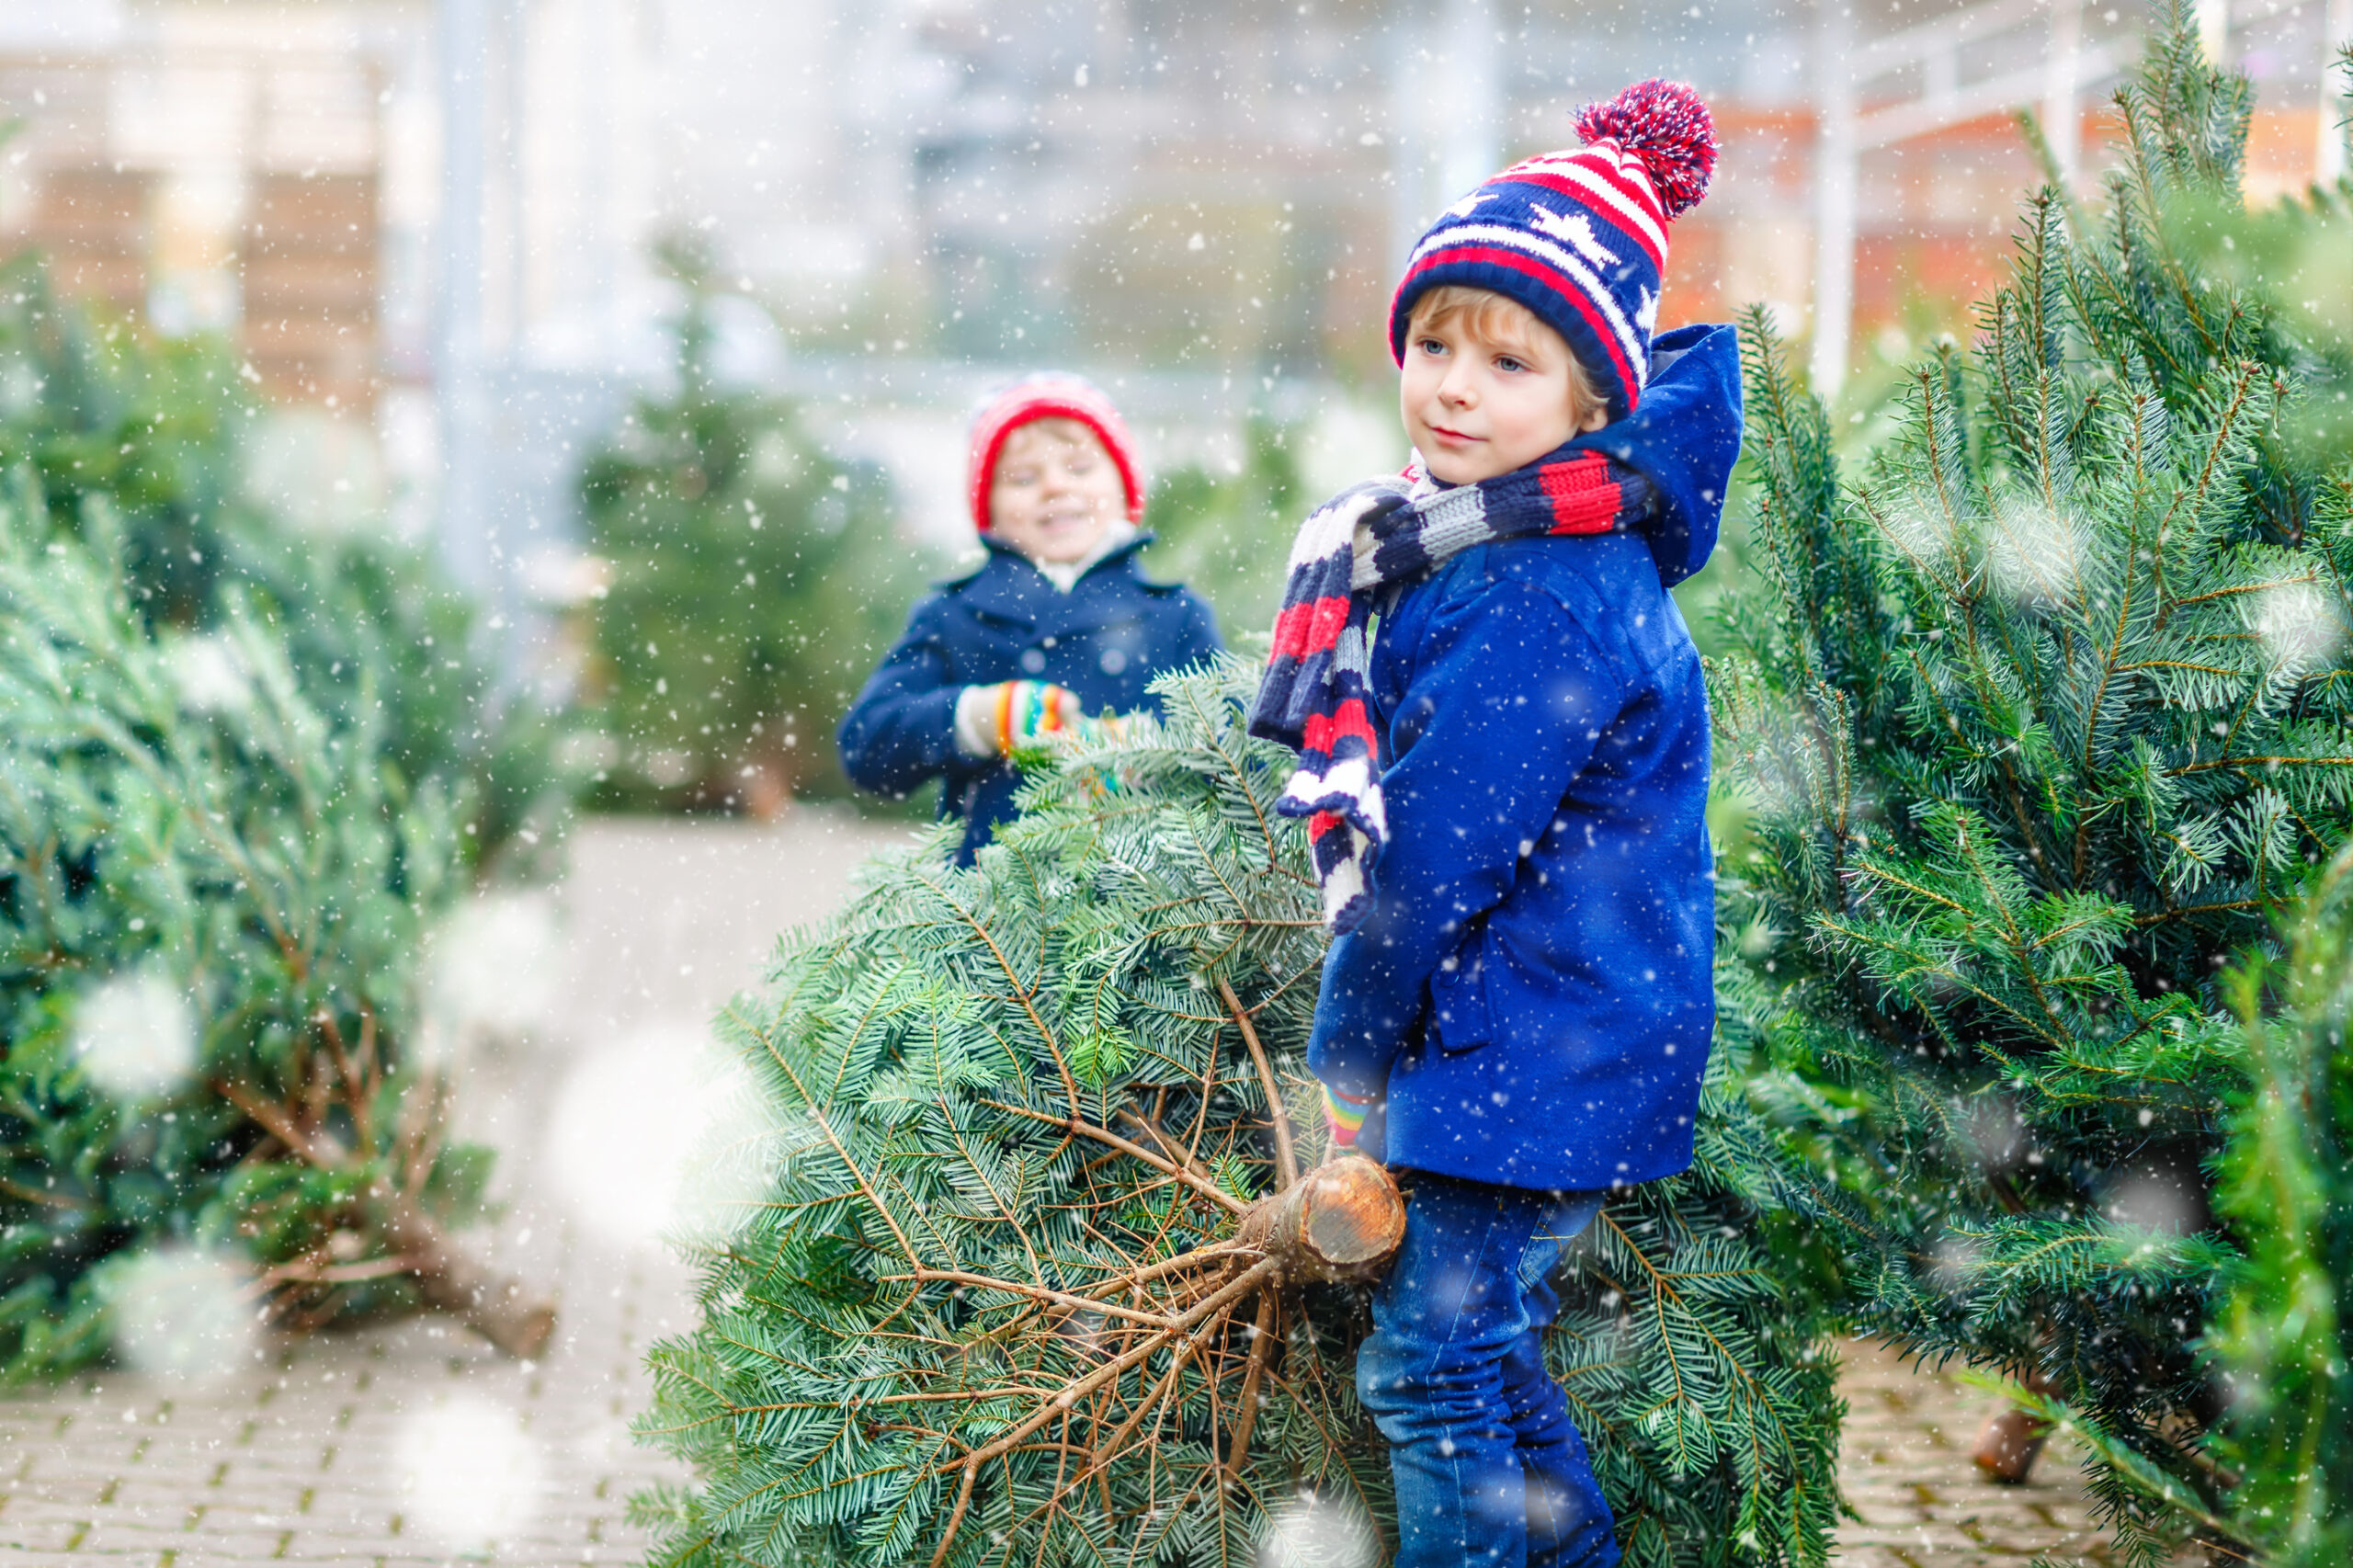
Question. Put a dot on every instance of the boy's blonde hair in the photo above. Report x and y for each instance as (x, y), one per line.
(1507, 321)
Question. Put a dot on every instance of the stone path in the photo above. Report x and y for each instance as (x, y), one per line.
(410, 1444)
(1905, 1465)
(414, 1443)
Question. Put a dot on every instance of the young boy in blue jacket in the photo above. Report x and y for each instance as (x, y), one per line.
(1058, 622)
(1503, 732)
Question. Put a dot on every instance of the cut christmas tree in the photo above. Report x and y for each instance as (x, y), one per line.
(2041, 718)
(1010, 1294)
(212, 900)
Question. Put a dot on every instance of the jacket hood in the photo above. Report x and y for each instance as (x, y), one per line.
(1684, 438)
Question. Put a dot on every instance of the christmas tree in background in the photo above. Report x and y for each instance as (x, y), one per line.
(247, 769)
(1003, 1298)
(2285, 1334)
(2041, 718)
(212, 896)
(157, 433)
(1218, 530)
(754, 582)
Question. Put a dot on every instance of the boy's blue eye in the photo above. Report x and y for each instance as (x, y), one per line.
(1505, 362)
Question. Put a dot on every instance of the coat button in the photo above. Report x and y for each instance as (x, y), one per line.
(1032, 660)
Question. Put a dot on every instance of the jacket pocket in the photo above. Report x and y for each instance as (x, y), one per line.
(1460, 1019)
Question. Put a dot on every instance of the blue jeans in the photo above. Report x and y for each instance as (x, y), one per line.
(1490, 1471)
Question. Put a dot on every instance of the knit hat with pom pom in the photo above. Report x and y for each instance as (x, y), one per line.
(1579, 236)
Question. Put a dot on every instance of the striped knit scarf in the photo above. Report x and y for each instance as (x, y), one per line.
(1314, 696)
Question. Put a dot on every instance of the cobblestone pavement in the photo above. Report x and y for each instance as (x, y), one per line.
(1905, 1465)
(412, 1443)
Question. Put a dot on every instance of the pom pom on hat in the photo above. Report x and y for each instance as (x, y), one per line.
(1579, 236)
(1668, 130)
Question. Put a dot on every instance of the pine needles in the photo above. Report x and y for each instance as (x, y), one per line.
(211, 896)
(2286, 1332)
(2042, 718)
(993, 1309)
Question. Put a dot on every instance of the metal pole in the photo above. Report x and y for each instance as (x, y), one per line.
(514, 168)
(595, 140)
(466, 526)
(1835, 177)
(1408, 91)
(2061, 121)
(2214, 29)
(1472, 145)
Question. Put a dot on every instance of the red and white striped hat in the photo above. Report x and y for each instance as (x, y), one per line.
(1048, 394)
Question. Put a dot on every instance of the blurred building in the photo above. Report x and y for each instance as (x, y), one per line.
(1231, 182)
(213, 167)
(431, 222)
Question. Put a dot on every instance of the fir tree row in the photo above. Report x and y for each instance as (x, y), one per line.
(2043, 719)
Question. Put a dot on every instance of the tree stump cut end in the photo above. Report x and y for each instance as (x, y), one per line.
(1340, 1221)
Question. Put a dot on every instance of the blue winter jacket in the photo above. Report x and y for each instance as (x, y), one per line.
(1104, 641)
(1530, 997)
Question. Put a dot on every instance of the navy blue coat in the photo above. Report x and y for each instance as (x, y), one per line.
(1529, 997)
(1105, 640)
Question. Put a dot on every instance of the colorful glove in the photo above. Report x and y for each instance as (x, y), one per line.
(1012, 715)
(1029, 710)
(1344, 1115)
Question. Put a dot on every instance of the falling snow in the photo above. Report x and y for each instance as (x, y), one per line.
(135, 1035)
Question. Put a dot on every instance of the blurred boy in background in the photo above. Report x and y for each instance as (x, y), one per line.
(1057, 623)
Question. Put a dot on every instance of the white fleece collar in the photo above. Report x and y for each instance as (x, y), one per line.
(1064, 575)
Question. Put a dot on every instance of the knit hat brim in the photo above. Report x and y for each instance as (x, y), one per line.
(1598, 343)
